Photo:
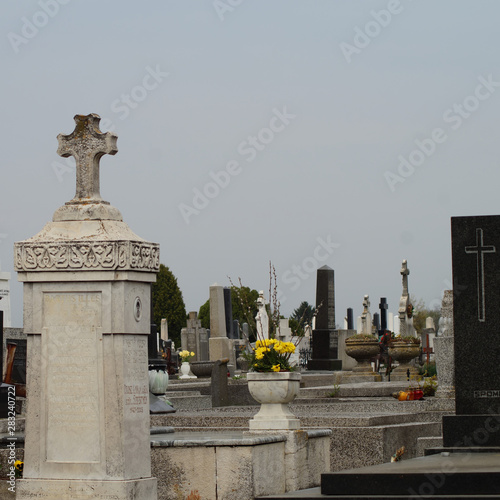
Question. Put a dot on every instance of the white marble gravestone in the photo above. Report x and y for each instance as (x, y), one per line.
(405, 310)
(87, 280)
(220, 347)
(262, 318)
(5, 298)
(366, 317)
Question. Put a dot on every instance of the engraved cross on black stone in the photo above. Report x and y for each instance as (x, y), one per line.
(480, 250)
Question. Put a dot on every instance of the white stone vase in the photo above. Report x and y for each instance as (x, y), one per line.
(274, 391)
(186, 371)
(158, 382)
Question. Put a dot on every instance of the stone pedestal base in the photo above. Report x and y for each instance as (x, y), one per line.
(356, 377)
(221, 348)
(274, 416)
(363, 372)
(400, 373)
(62, 489)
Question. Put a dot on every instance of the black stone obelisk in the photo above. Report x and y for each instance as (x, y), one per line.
(324, 335)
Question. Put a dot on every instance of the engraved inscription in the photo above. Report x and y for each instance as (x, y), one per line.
(487, 394)
(73, 372)
(136, 387)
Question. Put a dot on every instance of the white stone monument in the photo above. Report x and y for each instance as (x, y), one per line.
(5, 299)
(220, 347)
(164, 329)
(87, 280)
(445, 350)
(405, 310)
(262, 318)
(366, 317)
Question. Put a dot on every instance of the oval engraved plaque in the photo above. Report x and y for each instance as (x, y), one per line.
(137, 309)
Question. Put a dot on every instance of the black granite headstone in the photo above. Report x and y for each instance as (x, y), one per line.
(324, 336)
(350, 319)
(376, 321)
(228, 312)
(476, 319)
(383, 306)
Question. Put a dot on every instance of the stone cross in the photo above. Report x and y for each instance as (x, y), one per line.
(366, 318)
(405, 272)
(87, 144)
(405, 321)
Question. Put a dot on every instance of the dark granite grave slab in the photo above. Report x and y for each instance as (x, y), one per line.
(476, 313)
(462, 474)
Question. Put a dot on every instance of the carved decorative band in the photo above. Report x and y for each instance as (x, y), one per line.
(96, 255)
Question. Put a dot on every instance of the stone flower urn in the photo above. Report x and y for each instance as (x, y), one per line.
(274, 391)
(362, 348)
(403, 352)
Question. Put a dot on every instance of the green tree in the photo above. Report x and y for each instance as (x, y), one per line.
(300, 317)
(421, 313)
(168, 303)
(204, 315)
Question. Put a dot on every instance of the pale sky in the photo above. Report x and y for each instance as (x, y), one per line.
(305, 132)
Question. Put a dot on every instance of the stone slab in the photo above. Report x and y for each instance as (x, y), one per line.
(446, 474)
(140, 489)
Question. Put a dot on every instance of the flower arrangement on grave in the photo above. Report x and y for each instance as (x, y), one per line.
(269, 354)
(186, 356)
(399, 453)
(18, 468)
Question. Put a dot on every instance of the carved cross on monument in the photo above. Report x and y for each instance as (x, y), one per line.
(480, 250)
(87, 144)
(405, 272)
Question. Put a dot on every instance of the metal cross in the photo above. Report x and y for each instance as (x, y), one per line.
(87, 144)
(480, 250)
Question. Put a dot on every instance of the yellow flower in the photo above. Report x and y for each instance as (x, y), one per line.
(259, 353)
(275, 368)
(192, 354)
